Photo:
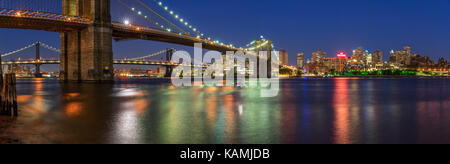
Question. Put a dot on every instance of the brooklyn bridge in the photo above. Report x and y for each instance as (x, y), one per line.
(87, 31)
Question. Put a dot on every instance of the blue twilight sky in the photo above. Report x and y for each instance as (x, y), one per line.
(294, 25)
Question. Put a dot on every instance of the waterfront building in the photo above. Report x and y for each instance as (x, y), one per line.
(417, 60)
(401, 57)
(354, 65)
(375, 60)
(338, 63)
(360, 55)
(318, 57)
(377, 57)
(284, 57)
(300, 60)
(369, 61)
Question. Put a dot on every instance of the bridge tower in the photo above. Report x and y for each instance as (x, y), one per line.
(264, 45)
(86, 55)
(37, 72)
(169, 69)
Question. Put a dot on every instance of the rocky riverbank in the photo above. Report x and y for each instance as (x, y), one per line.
(5, 136)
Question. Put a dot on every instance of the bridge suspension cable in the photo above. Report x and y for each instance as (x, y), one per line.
(178, 18)
(152, 55)
(32, 45)
(185, 22)
(171, 24)
(161, 17)
(19, 50)
(50, 47)
(59, 51)
(145, 16)
(159, 25)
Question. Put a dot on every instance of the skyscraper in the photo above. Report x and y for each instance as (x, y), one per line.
(401, 57)
(300, 60)
(318, 56)
(377, 57)
(360, 55)
(284, 57)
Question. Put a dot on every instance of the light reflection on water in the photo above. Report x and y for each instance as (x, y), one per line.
(340, 111)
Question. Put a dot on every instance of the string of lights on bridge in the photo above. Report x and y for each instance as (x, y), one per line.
(29, 46)
(140, 13)
(50, 47)
(59, 51)
(152, 55)
(177, 17)
(18, 50)
(201, 35)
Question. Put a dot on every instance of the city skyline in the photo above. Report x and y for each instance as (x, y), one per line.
(335, 28)
(207, 72)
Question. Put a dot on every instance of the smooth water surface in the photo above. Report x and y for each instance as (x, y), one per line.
(341, 110)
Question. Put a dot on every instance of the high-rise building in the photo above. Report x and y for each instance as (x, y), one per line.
(318, 57)
(377, 57)
(360, 55)
(369, 60)
(284, 57)
(401, 57)
(300, 60)
(337, 63)
(392, 57)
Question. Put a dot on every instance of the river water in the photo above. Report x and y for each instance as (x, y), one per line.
(341, 111)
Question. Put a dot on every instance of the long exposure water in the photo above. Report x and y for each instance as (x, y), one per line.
(341, 110)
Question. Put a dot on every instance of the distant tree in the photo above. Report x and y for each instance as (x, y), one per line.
(285, 71)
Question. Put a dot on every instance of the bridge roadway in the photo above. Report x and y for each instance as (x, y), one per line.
(115, 61)
(34, 20)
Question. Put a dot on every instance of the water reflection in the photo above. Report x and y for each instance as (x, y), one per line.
(306, 111)
(341, 110)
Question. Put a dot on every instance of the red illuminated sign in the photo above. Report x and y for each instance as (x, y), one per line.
(341, 55)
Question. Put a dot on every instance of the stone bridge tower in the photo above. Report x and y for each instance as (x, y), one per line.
(86, 55)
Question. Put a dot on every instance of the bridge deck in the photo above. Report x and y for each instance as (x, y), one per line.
(35, 20)
(115, 61)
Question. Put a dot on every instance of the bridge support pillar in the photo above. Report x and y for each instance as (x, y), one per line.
(37, 72)
(86, 55)
(169, 69)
